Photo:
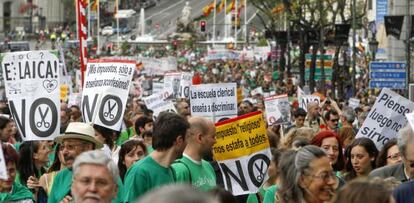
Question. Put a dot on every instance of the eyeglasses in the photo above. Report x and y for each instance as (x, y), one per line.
(394, 157)
(87, 181)
(334, 120)
(325, 176)
(70, 146)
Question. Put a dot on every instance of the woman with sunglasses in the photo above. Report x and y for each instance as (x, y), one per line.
(389, 155)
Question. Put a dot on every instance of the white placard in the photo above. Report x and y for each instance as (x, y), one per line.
(304, 100)
(3, 168)
(105, 91)
(158, 103)
(258, 90)
(354, 103)
(32, 88)
(172, 84)
(277, 109)
(185, 83)
(214, 100)
(386, 117)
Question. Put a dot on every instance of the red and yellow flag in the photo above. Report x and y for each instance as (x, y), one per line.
(240, 7)
(221, 6)
(207, 9)
(230, 7)
(94, 5)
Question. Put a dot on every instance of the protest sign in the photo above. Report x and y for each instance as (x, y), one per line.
(386, 117)
(410, 119)
(172, 83)
(158, 103)
(185, 83)
(304, 100)
(105, 91)
(214, 101)
(354, 103)
(243, 153)
(258, 90)
(32, 88)
(3, 168)
(157, 87)
(277, 109)
(224, 54)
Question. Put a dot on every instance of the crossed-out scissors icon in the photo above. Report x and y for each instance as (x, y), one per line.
(43, 117)
(261, 175)
(109, 113)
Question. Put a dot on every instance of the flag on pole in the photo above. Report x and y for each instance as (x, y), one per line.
(94, 5)
(207, 9)
(240, 8)
(230, 7)
(220, 6)
(82, 34)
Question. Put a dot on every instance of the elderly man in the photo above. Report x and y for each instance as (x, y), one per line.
(95, 178)
(192, 168)
(154, 170)
(313, 118)
(403, 171)
(78, 138)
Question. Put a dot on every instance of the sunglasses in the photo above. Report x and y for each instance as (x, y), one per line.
(334, 120)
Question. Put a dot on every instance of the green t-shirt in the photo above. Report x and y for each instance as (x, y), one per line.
(124, 136)
(201, 174)
(143, 176)
(150, 149)
(18, 193)
(252, 198)
(270, 194)
(63, 183)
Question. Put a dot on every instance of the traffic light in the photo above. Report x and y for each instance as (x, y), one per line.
(203, 26)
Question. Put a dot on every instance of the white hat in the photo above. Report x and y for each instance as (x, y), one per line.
(82, 131)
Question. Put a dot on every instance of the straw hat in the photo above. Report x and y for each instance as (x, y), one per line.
(82, 131)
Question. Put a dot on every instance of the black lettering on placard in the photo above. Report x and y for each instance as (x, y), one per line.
(260, 163)
(108, 117)
(49, 125)
(239, 178)
(185, 92)
(87, 111)
(20, 121)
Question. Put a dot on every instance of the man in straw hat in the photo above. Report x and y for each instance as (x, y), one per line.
(78, 137)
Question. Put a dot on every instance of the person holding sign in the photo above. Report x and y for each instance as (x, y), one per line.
(154, 170)
(192, 168)
(10, 190)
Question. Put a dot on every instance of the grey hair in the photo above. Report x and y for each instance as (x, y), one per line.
(405, 136)
(96, 157)
(292, 166)
(176, 193)
(349, 115)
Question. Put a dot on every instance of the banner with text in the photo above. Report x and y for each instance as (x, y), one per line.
(32, 87)
(304, 100)
(277, 109)
(105, 92)
(386, 117)
(158, 103)
(214, 101)
(185, 83)
(243, 153)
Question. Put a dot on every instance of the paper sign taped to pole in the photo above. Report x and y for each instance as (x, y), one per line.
(32, 87)
(105, 92)
(214, 101)
(386, 117)
(243, 153)
(277, 109)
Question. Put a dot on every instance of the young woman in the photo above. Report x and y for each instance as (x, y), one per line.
(361, 155)
(46, 180)
(131, 151)
(106, 137)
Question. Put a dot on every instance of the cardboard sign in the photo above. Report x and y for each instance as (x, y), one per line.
(354, 103)
(277, 109)
(32, 88)
(214, 101)
(105, 92)
(386, 117)
(159, 103)
(243, 153)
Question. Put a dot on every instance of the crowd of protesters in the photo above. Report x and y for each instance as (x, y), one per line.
(316, 156)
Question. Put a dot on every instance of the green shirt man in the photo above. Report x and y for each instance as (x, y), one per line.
(143, 176)
(200, 174)
(62, 185)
